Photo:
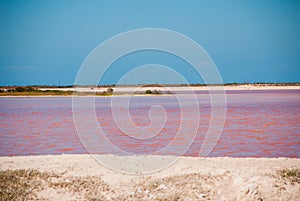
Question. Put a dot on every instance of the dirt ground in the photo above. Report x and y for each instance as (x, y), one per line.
(81, 177)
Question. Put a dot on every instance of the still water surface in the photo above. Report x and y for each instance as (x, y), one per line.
(258, 124)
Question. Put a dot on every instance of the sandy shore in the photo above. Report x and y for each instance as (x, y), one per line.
(166, 91)
(81, 177)
(176, 89)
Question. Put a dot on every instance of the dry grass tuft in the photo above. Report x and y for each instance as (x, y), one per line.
(24, 184)
(292, 175)
(16, 184)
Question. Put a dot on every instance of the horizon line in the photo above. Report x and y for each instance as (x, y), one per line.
(161, 85)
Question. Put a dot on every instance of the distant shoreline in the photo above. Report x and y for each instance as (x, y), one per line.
(133, 90)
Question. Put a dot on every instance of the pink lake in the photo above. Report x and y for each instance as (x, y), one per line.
(258, 124)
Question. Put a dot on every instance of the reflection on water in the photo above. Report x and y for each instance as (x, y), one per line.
(258, 124)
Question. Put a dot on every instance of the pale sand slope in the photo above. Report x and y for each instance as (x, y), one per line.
(81, 177)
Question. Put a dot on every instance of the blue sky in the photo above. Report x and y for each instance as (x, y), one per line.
(45, 42)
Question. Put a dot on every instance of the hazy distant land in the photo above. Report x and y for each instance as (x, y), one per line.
(146, 89)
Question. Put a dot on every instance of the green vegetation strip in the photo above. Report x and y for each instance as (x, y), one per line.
(30, 91)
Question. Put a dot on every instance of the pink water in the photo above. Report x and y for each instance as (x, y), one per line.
(258, 124)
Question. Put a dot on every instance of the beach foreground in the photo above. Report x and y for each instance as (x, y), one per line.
(81, 177)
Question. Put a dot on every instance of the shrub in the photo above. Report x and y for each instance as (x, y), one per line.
(24, 89)
(20, 89)
(110, 90)
(153, 91)
(148, 91)
(156, 92)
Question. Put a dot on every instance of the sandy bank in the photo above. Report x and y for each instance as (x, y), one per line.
(140, 91)
(121, 89)
(77, 177)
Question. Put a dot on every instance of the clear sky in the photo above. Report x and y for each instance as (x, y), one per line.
(45, 42)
